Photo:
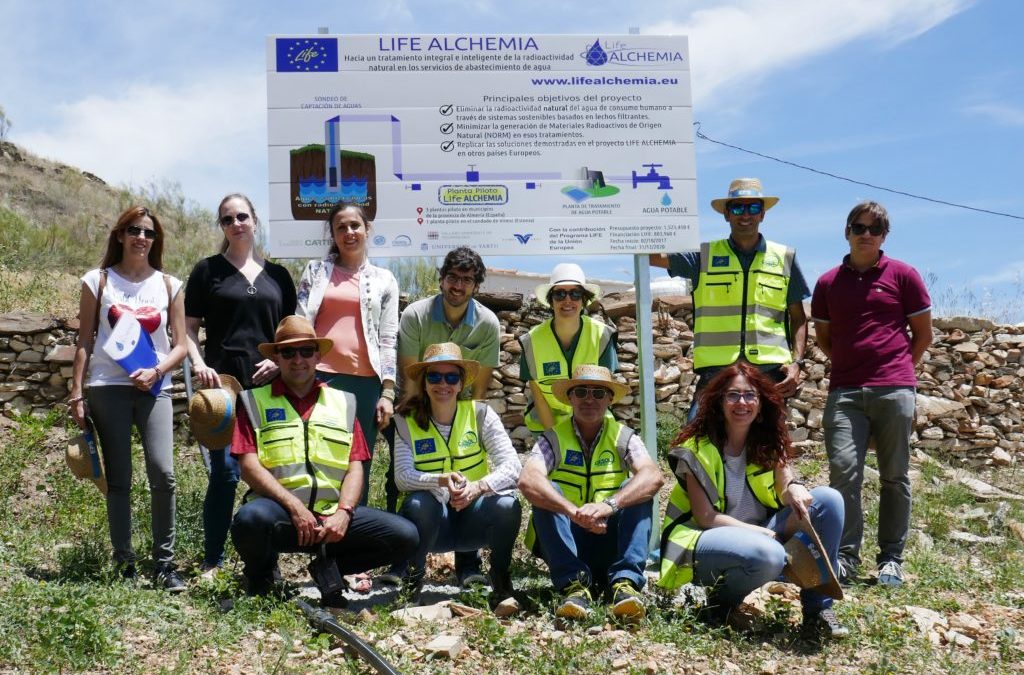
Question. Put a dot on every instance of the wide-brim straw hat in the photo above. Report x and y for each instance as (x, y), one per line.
(589, 375)
(565, 273)
(807, 563)
(745, 188)
(294, 329)
(448, 353)
(211, 413)
(80, 462)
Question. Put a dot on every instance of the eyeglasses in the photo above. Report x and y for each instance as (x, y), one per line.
(876, 230)
(561, 294)
(459, 280)
(738, 209)
(288, 353)
(737, 396)
(597, 393)
(449, 378)
(240, 217)
(136, 231)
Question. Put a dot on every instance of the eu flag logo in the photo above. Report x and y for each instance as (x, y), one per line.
(424, 446)
(574, 458)
(719, 261)
(307, 55)
(275, 414)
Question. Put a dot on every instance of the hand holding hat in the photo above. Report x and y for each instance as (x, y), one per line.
(211, 413)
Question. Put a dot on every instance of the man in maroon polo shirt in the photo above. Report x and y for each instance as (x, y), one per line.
(861, 310)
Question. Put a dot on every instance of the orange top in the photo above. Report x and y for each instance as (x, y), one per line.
(339, 319)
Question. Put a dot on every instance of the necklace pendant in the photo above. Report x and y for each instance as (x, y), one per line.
(251, 290)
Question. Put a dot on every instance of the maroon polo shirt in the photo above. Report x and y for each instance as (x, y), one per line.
(867, 317)
(244, 439)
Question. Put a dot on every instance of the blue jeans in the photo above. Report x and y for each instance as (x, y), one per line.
(491, 521)
(572, 552)
(218, 505)
(852, 415)
(735, 560)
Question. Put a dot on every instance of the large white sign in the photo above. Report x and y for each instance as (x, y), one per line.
(512, 145)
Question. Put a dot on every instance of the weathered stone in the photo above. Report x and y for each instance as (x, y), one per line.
(25, 323)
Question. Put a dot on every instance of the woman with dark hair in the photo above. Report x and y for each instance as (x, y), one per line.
(442, 445)
(554, 349)
(129, 281)
(240, 298)
(737, 501)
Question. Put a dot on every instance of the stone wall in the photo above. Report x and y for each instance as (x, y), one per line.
(968, 405)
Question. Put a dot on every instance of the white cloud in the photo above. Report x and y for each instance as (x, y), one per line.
(1012, 273)
(999, 113)
(752, 39)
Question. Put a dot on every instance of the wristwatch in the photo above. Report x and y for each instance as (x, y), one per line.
(613, 503)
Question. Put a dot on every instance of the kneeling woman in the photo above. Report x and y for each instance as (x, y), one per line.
(442, 446)
(737, 500)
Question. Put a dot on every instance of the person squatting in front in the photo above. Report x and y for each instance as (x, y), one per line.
(736, 500)
(301, 452)
(591, 519)
(442, 445)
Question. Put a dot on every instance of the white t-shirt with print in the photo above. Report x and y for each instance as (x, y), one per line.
(147, 300)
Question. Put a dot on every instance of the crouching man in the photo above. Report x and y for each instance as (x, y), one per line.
(301, 451)
(592, 521)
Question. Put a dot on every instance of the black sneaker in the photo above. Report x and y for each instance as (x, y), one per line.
(576, 601)
(846, 573)
(824, 623)
(335, 600)
(259, 585)
(168, 578)
(126, 570)
(626, 601)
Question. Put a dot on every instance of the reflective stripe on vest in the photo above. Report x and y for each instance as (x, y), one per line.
(462, 452)
(547, 363)
(580, 482)
(739, 313)
(679, 530)
(310, 458)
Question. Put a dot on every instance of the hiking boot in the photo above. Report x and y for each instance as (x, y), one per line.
(890, 573)
(168, 578)
(824, 623)
(626, 601)
(576, 601)
(335, 600)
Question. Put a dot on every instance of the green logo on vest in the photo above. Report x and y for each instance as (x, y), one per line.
(605, 459)
(469, 440)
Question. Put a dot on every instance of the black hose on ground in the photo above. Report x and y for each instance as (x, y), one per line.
(324, 622)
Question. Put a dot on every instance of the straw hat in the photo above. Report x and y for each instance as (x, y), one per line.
(81, 462)
(565, 273)
(744, 188)
(211, 413)
(294, 329)
(807, 563)
(589, 375)
(444, 352)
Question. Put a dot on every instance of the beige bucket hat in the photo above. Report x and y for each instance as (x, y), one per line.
(589, 375)
(444, 352)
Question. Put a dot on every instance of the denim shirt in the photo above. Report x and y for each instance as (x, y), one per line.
(378, 299)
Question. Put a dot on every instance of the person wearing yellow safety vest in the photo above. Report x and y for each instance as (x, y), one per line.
(301, 451)
(737, 501)
(442, 448)
(592, 519)
(748, 295)
(555, 348)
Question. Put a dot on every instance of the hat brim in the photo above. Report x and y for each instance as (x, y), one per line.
(831, 588)
(268, 349)
(542, 291)
(220, 435)
(80, 464)
(470, 369)
(560, 389)
(719, 204)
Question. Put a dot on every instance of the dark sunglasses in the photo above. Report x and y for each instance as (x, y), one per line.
(876, 230)
(136, 231)
(597, 393)
(240, 217)
(561, 294)
(288, 353)
(738, 209)
(449, 378)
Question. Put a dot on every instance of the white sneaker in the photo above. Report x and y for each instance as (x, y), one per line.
(890, 573)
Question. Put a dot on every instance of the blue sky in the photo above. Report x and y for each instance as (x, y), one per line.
(924, 96)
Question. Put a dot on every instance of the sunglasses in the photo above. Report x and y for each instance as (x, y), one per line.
(876, 230)
(449, 378)
(738, 209)
(561, 294)
(240, 217)
(288, 353)
(596, 393)
(737, 396)
(457, 280)
(136, 231)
